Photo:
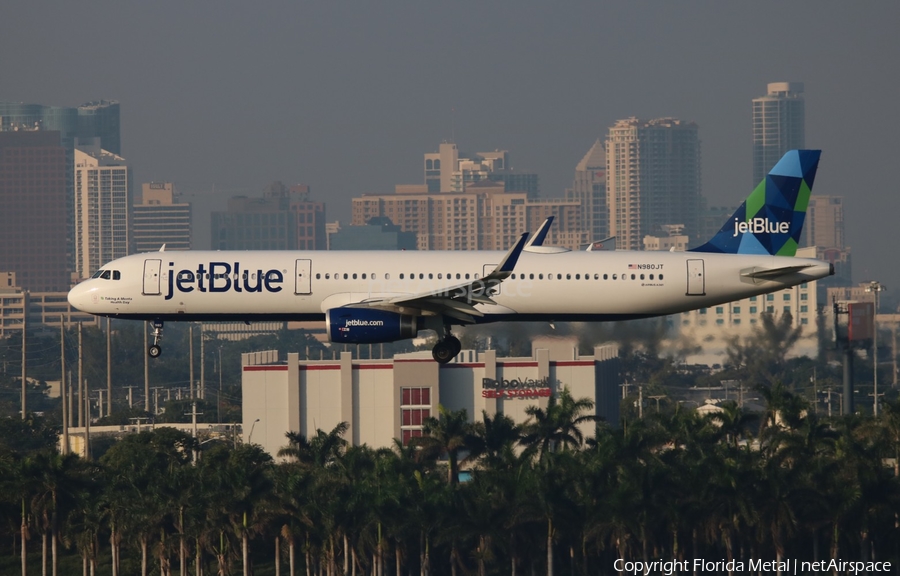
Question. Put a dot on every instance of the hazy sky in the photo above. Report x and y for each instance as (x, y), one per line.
(347, 96)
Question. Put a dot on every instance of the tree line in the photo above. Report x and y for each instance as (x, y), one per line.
(489, 497)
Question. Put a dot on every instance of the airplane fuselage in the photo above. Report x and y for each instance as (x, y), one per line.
(562, 285)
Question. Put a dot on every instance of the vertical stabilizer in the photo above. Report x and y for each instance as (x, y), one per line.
(771, 219)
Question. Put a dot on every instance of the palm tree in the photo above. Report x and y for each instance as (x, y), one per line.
(447, 435)
(556, 428)
(55, 480)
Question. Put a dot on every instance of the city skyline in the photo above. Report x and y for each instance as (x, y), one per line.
(347, 101)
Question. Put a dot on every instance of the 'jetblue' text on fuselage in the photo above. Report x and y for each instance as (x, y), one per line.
(222, 277)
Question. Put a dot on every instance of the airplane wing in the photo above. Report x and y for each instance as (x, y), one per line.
(457, 301)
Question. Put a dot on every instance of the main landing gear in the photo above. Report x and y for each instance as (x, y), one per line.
(155, 350)
(447, 348)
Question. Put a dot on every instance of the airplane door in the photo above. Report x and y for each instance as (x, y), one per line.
(696, 284)
(151, 277)
(302, 277)
(494, 286)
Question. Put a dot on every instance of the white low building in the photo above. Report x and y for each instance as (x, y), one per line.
(386, 399)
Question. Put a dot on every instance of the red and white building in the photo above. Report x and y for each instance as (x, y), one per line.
(386, 399)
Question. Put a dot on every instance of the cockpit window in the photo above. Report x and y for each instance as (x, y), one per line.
(117, 275)
(97, 274)
(105, 275)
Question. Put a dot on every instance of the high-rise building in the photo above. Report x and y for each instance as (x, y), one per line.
(589, 189)
(95, 122)
(824, 224)
(161, 219)
(33, 216)
(485, 217)
(100, 119)
(778, 126)
(448, 170)
(103, 184)
(377, 234)
(824, 229)
(652, 179)
(282, 219)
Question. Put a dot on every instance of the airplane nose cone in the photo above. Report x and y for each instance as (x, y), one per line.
(79, 298)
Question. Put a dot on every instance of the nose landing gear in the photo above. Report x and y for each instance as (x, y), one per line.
(155, 350)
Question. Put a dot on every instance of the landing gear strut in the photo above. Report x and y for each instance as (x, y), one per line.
(155, 350)
(447, 348)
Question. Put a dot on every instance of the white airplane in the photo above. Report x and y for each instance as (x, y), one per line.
(381, 296)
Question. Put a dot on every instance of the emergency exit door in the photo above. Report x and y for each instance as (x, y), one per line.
(696, 280)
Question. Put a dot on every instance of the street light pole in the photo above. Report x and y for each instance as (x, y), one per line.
(875, 287)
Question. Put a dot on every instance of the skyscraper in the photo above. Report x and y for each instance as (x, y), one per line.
(283, 219)
(92, 122)
(449, 170)
(33, 217)
(589, 189)
(103, 185)
(101, 120)
(652, 179)
(160, 218)
(779, 121)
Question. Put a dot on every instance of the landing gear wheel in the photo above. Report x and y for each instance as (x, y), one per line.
(443, 352)
(154, 351)
(454, 343)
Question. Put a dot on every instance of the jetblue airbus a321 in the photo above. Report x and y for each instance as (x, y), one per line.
(371, 296)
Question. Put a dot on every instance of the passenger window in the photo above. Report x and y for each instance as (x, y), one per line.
(660, 276)
(467, 275)
(401, 275)
(578, 276)
(354, 275)
(605, 276)
(642, 276)
(559, 276)
(568, 276)
(651, 276)
(430, 276)
(531, 276)
(421, 276)
(632, 276)
(388, 276)
(363, 276)
(345, 275)
(457, 275)
(540, 276)
(615, 276)
(440, 276)
(327, 276)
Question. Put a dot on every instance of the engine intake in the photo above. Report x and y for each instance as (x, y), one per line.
(369, 325)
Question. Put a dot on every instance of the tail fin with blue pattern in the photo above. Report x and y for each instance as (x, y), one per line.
(771, 219)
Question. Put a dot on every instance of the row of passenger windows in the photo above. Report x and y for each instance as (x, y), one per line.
(441, 276)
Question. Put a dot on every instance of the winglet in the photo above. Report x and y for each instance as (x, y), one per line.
(771, 219)
(508, 263)
(538, 238)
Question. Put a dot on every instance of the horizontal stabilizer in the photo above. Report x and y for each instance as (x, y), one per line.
(772, 273)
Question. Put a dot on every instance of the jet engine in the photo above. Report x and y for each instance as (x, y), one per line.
(369, 325)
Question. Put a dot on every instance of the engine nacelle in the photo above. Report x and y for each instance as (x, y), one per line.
(369, 325)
